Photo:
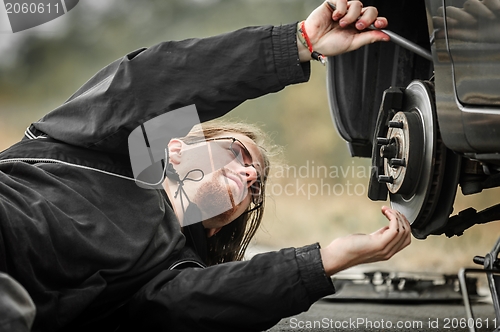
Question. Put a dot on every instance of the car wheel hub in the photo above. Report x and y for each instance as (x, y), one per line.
(403, 155)
(409, 159)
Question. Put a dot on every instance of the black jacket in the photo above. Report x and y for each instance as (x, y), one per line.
(92, 247)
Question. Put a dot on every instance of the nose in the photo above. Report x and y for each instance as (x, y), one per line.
(249, 174)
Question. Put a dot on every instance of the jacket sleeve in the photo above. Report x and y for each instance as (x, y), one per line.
(238, 296)
(215, 74)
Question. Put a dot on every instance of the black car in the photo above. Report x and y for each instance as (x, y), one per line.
(428, 115)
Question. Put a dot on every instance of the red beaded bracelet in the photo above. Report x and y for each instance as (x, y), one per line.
(304, 38)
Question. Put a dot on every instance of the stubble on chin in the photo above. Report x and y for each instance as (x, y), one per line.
(215, 199)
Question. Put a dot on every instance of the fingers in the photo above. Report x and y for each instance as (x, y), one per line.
(381, 23)
(397, 220)
(493, 5)
(340, 8)
(385, 208)
(378, 246)
(390, 214)
(459, 15)
(360, 16)
(368, 16)
(339, 26)
(483, 15)
(478, 9)
(398, 235)
(404, 231)
(472, 11)
(353, 13)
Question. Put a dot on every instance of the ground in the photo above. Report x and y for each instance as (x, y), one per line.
(356, 316)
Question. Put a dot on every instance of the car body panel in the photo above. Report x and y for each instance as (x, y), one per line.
(467, 81)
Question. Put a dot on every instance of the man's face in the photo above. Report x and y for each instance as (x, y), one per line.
(224, 192)
(218, 198)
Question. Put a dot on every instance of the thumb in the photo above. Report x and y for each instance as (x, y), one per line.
(368, 37)
(380, 231)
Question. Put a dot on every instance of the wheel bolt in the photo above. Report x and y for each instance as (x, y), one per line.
(396, 124)
(385, 179)
(396, 162)
(389, 151)
(383, 141)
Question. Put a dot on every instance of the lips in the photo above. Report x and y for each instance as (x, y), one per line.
(239, 183)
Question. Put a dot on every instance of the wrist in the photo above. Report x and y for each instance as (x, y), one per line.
(328, 264)
(333, 258)
(304, 54)
(305, 46)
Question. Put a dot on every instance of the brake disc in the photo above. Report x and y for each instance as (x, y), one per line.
(426, 177)
(412, 160)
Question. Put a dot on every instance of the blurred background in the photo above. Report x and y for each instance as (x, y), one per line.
(317, 191)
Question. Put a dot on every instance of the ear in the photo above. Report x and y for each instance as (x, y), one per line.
(175, 150)
(212, 231)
